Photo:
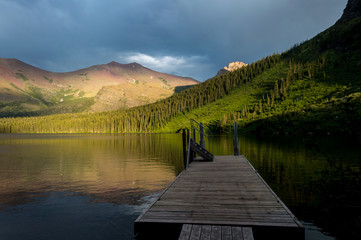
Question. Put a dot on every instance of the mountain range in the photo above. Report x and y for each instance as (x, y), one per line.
(26, 90)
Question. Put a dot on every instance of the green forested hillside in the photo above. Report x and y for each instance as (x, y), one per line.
(313, 88)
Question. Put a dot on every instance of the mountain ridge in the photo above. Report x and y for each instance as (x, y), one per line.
(352, 10)
(28, 90)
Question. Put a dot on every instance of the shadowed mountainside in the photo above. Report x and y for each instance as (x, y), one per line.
(352, 10)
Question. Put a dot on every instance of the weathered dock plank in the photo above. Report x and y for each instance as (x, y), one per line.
(214, 232)
(225, 192)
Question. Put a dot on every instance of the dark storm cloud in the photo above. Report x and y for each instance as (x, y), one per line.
(185, 37)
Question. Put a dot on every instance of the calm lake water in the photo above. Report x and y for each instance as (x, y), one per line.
(95, 186)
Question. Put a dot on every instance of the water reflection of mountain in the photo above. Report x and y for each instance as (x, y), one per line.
(110, 168)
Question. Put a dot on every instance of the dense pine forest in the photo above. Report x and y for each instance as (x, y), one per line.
(314, 88)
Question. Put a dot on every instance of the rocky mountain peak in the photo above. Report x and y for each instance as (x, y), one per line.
(235, 65)
(232, 67)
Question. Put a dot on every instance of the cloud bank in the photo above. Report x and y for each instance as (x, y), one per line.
(171, 64)
(171, 36)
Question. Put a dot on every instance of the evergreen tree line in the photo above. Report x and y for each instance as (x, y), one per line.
(147, 118)
(279, 92)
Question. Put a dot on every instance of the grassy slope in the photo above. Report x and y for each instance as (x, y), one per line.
(329, 102)
(246, 94)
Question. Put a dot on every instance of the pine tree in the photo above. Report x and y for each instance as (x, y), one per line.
(276, 90)
(260, 106)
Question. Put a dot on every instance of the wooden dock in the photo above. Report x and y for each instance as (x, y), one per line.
(228, 193)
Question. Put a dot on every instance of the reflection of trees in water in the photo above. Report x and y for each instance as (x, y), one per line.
(334, 193)
(110, 168)
(336, 199)
(319, 179)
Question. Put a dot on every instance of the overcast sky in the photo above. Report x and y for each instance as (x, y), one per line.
(192, 38)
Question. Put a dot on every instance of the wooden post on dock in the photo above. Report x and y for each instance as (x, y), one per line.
(235, 139)
(193, 154)
(194, 134)
(189, 151)
(201, 141)
(184, 140)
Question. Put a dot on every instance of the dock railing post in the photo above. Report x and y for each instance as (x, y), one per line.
(201, 141)
(235, 139)
(193, 154)
(184, 140)
(188, 150)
